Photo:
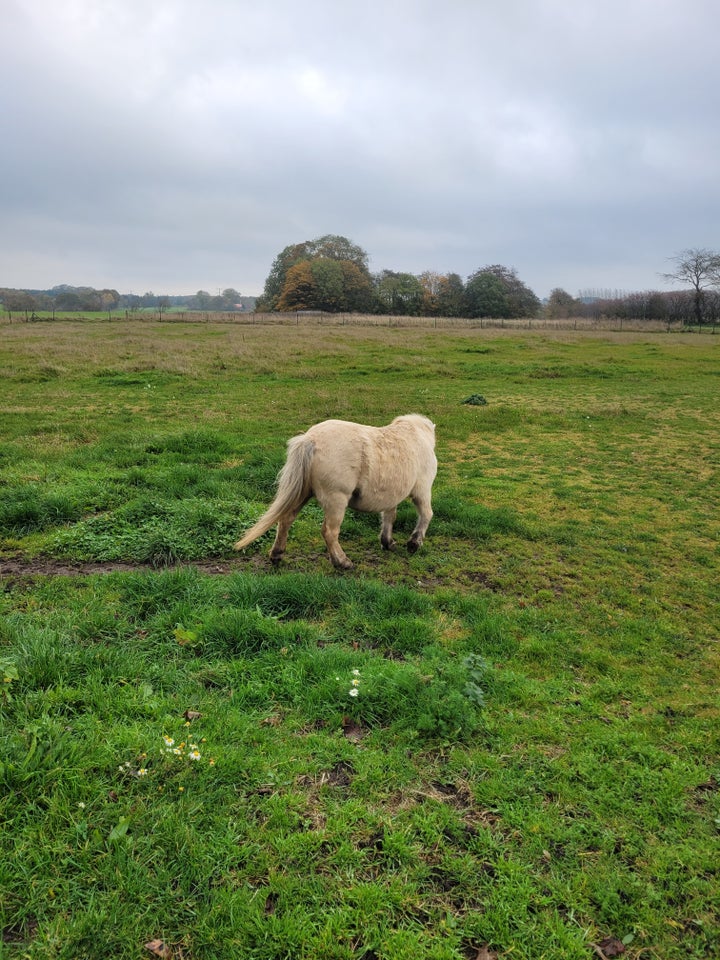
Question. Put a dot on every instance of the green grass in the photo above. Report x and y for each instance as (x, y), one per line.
(531, 760)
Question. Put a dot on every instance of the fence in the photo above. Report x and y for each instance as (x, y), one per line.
(308, 318)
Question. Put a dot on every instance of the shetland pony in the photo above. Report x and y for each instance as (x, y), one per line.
(343, 464)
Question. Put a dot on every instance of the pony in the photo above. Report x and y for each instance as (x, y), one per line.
(344, 464)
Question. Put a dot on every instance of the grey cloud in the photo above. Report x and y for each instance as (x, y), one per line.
(174, 145)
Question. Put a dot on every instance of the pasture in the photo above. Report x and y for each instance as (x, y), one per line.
(502, 746)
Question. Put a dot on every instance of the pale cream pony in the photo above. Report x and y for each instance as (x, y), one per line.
(343, 464)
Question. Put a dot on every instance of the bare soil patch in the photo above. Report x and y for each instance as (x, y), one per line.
(47, 567)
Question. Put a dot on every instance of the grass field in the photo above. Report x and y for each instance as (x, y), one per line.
(529, 767)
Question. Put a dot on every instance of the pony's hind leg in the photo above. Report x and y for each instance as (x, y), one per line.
(283, 528)
(386, 530)
(334, 508)
(424, 509)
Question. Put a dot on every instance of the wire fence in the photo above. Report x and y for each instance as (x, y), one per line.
(308, 318)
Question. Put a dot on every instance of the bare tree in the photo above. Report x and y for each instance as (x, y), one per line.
(700, 269)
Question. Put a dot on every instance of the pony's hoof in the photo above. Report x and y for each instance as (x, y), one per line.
(413, 546)
(388, 544)
(343, 564)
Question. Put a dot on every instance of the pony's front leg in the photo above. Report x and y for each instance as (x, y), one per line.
(424, 509)
(334, 509)
(386, 530)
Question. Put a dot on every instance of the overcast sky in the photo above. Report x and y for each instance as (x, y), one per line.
(178, 145)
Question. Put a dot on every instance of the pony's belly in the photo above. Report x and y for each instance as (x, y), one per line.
(374, 501)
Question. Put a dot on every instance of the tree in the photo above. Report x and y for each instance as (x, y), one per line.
(327, 277)
(230, 298)
(69, 300)
(497, 291)
(298, 291)
(430, 282)
(15, 301)
(201, 300)
(109, 299)
(700, 269)
(398, 293)
(331, 247)
(451, 296)
(561, 305)
(485, 296)
(521, 300)
(357, 287)
(325, 284)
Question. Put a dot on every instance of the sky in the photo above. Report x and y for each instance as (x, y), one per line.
(177, 145)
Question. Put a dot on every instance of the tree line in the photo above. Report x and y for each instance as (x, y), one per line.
(331, 274)
(87, 299)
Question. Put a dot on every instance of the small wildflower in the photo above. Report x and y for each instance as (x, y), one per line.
(81, 805)
(169, 742)
(194, 755)
(354, 692)
(181, 789)
(356, 683)
(211, 763)
(142, 772)
(177, 751)
(356, 673)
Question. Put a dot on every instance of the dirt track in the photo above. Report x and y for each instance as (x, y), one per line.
(46, 567)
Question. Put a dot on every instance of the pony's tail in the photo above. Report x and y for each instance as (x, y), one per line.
(293, 489)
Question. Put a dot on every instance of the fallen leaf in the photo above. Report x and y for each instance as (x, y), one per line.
(186, 638)
(485, 953)
(353, 731)
(609, 947)
(271, 903)
(159, 948)
(192, 715)
(272, 721)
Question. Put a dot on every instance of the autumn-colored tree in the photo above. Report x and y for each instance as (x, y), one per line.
(298, 290)
(331, 247)
(430, 281)
(110, 299)
(325, 284)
